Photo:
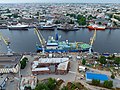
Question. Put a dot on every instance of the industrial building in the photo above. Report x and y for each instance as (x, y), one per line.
(50, 65)
(9, 64)
(90, 76)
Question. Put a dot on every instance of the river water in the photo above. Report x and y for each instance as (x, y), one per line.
(25, 41)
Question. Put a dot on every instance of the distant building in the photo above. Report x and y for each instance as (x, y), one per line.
(9, 64)
(50, 65)
(90, 76)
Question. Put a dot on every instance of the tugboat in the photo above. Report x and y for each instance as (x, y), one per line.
(97, 27)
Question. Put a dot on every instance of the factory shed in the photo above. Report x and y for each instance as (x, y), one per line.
(91, 75)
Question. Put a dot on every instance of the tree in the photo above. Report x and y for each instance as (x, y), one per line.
(99, 23)
(83, 62)
(15, 15)
(113, 76)
(64, 88)
(108, 84)
(8, 11)
(27, 88)
(90, 17)
(95, 82)
(41, 86)
(50, 84)
(117, 61)
(23, 62)
(57, 22)
(81, 20)
(102, 60)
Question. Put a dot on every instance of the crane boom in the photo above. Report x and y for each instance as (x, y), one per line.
(7, 42)
(93, 38)
(92, 41)
(40, 37)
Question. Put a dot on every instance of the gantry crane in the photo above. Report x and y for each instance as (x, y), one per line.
(92, 39)
(7, 43)
(41, 39)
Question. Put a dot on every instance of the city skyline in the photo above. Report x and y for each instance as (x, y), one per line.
(60, 1)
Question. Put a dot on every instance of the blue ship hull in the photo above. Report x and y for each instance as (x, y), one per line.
(62, 50)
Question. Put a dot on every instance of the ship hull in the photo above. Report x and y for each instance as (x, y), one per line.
(97, 28)
(75, 29)
(46, 28)
(18, 28)
(61, 50)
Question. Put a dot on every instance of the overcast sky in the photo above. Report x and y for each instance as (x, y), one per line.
(61, 1)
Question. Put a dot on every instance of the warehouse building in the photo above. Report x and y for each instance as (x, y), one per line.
(50, 65)
(90, 76)
(9, 64)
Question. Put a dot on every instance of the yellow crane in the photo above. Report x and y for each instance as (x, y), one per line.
(92, 41)
(41, 39)
(7, 43)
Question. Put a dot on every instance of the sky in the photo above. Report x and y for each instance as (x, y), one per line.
(60, 1)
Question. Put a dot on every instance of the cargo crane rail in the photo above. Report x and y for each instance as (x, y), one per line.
(41, 39)
(7, 43)
(92, 39)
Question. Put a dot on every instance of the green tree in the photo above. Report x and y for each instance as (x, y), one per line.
(81, 20)
(27, 88)
(8, 11)
(102, 60)
(108, 84)
(41, 86)
(15, 15)
(112, 76)
(57, 22)
(51, 84)
(95, 82)
(117, 61)
(90, 17)
(23, 63)
(83, 62)
(64, 88)
(99, 23)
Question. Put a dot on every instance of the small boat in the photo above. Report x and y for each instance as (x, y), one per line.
(18, 27)
(97, 27)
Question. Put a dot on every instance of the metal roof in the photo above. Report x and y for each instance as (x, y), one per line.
(101, 77)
